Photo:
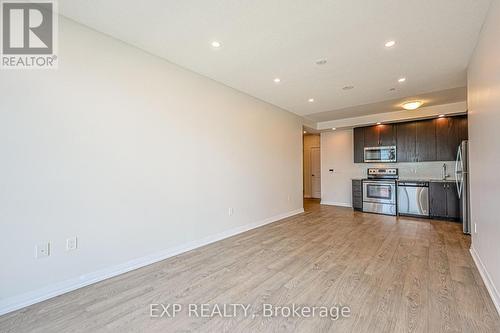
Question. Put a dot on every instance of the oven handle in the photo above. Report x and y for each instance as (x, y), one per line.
(379, 183)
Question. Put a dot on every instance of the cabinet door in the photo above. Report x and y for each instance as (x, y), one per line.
(371, 136)
(359, 145)
(406, 142)
(357, 194)
(448, 138)
(452, 201)
(437, 199)
(464, 128)
(387, 135)
(426, 140)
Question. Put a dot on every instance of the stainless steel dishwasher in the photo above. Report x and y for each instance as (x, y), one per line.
(413, 198)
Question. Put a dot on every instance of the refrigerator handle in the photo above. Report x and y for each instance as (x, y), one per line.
(457, 173)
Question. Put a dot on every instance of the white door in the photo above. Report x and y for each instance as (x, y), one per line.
(315, 173)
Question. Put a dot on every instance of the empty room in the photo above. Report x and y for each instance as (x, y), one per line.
(250, 166)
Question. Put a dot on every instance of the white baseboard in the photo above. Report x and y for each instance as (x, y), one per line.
(20, 301)
(492, 290)
(333, 203)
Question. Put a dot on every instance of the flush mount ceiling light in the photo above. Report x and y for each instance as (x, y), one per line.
(347, 87)
(390, 43)
(412, 105)
(441, 116)
(311, 100)
(333, 129)
(277, 80)
(379, 123)
(216, 44)
(401, 80)
(321, 61)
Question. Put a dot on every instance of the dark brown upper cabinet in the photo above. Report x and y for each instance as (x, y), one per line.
(406, 142)
(380, 135)
(450, 132)
(371, 136)
(387, 135)
(359, 144)
(426, 141)
(416, 141)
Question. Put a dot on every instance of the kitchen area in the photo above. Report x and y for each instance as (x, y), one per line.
(413, 168)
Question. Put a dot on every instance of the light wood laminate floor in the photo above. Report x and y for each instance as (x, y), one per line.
(395, 274)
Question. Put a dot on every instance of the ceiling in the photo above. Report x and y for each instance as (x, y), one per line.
(265, 39)
(429, 99)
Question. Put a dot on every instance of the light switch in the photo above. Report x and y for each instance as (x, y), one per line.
(71, 244)
(42, 250)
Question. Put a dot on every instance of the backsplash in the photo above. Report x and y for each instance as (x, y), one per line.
(420, 170)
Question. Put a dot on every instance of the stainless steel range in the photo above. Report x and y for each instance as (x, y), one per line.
(379, 191)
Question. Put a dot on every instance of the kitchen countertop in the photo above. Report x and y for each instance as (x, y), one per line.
(432, 180)
(408, 179)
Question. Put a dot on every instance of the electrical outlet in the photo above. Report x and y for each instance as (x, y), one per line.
(42, 250)
(71, 243)
(230, 212)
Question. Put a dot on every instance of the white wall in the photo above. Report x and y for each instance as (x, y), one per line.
(310, 141)
(337, 154)
(484, 158)
(135, 156)
(337, 149)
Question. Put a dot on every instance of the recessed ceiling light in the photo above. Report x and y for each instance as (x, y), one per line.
(348, 88)
(379, 123)
(321, 61)
(277, 80)
(333, 129)
(216, 44)
(412, 105)
(401, 80)
(310, 100)
(441, 116)
(390, 43)
(305, 132)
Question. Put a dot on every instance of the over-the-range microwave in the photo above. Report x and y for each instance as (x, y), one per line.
(385, 154)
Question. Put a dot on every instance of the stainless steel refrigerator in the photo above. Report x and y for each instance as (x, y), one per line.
(462, 182)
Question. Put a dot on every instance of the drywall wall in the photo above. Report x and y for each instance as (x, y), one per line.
(484, 155)
(310, 141)
(337, 154)
(138, 158)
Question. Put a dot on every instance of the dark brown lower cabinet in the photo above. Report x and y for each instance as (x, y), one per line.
(443, 200)
(357, 194)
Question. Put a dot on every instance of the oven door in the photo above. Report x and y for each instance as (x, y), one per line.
(380, 154)
(379, 192)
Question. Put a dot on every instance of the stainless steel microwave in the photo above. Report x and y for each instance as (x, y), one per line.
(385, 154)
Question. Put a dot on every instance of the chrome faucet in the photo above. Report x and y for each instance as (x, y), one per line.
(445, 172)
